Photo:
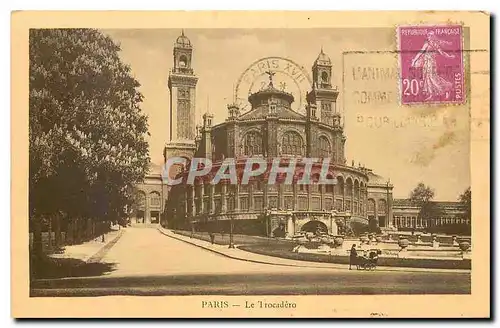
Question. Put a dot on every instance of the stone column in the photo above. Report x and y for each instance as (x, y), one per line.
(191, 205)
(333, 226)
(223, 198)
(352, 200)
(366, 200)
(211, 200)
(202, 200)
(389, 210)
(237, 199)
(322, 196)
(250, 196)
(295, 207)
(265, 200)
(281, 197)
(333, 197)
(343, 196)
(308, 197)
(290, 226)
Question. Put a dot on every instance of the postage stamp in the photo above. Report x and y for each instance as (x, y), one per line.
(263, 165)
(431, 63)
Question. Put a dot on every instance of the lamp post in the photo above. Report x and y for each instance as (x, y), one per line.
(231, 223)
(346, 218)
(192, 225)
(267, 213)
(333, 213)
(387, 223)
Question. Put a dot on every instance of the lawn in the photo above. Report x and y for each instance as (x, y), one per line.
(223, 239)
(285, 251)
(283, 248)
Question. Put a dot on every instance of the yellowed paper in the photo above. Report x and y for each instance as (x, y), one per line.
(347, 77)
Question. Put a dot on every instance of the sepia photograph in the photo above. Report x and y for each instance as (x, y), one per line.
(254, 168)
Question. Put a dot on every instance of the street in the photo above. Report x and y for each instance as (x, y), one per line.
(146, 262)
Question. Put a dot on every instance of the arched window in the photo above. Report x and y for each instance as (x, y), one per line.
(382, 205)
(206, 189)
(324, 147)
(348, 189)
(356, 189)
(324, 76)
(154, 199)
(141, 201)
(339, 186)
(329, 187)
(371, 205)
(252, 144)
(182, 61)
(292, 144)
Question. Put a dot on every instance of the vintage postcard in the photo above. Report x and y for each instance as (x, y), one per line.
(250, 164)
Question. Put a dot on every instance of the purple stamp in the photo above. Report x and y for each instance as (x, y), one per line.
(431, 62)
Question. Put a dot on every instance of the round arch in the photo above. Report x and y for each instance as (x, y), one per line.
(314, 226)
(340, 185)
(349, 186)
(292, 143)
(356, 189)
(154, 198)
(382, 205)
(252, 142)
(243, 133)
(141, 200)
(324, 146)
(371, 205)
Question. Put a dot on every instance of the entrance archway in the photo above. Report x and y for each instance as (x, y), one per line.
(314, 226)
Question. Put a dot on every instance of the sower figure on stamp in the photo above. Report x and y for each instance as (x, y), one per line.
(353, 256)
(433, 83)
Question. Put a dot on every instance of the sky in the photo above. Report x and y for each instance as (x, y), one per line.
(406, 144)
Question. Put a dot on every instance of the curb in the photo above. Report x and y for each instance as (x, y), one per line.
(239, 258)
(97, 257)
(311, 263)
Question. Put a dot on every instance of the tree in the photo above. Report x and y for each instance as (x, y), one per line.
(373, 226)
(87, 133)
(422, 197)
(465, 200)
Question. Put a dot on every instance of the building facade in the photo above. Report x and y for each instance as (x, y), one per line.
(270, 129)
(449, 217)
(151, 198)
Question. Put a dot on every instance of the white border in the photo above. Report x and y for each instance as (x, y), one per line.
(7, 7)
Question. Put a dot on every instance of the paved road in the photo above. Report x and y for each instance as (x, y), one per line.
(147, 262)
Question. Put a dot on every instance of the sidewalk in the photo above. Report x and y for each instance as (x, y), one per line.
(242, 255)
(91, 251)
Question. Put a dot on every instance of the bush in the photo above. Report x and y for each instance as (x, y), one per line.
(359, 228)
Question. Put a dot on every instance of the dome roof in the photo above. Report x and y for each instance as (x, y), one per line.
(183, 41)
(376, 179)
(323, 59)
(268, 92)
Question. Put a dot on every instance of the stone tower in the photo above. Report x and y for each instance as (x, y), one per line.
(323, 101)
(182, 86)
(325, 94)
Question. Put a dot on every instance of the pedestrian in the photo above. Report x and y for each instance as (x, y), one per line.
(353, 256)
(212, 237)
